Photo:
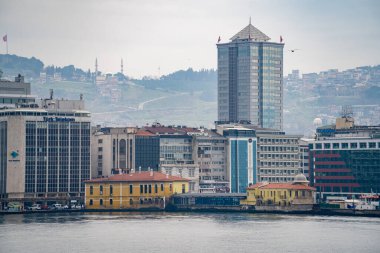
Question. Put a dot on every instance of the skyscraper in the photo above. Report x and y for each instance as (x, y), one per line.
(250, 86)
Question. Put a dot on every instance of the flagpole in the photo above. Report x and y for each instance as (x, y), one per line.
(7, 43)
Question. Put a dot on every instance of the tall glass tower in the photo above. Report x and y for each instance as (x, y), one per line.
(250, 85)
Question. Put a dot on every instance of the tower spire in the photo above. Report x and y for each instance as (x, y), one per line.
(249, 31)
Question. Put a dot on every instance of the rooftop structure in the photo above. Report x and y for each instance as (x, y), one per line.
(250, 33)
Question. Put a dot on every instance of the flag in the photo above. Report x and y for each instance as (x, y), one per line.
(281, 39)
(5, 38)
(219, 39)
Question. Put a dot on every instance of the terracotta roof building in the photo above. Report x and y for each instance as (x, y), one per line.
(140, 190)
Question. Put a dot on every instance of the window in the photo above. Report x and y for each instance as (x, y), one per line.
(344, 145)
(327, 145)
(335, 145)
(354, 145)
(150, 188)
(101, 190)
(100, 149)
(170, 187)
(111, 202)
(141, 188)
(130, 189)
(91, 190)
(363, 144)
(162, 187)
(131, 201)
(100, 141)
(372, 145)
(111, 189)
(155, 188)
(145, 188)
(183, 188)
(318, 146)
(101, 202)
(91, 202)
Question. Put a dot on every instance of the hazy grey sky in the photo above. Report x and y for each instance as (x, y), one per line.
(175, 34)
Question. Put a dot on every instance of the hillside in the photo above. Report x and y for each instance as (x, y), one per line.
(188, 97)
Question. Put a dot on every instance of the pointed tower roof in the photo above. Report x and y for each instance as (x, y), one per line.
(250, 33)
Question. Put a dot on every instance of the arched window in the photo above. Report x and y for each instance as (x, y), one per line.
(101, 202)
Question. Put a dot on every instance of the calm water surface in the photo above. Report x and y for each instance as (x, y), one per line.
(187, 232)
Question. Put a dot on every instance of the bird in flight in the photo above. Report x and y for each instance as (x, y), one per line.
(293, 50)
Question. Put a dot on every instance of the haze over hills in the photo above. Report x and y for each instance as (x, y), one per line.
(188, 97)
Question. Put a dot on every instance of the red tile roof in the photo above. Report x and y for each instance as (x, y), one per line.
(281, 186)
(144, 176)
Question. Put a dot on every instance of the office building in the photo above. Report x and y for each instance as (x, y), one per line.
(250, 79)
(176, 145)
(45, 151)
(188, 171)
(241, 151)
(278, 156)
(345, 159)
(15, 93)
(304, 156)
(210, 154)
(122, 149)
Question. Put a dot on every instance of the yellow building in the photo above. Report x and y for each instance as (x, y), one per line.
(133, 191)
(296, 196)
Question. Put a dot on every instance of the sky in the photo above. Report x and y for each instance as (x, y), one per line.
(158, 37)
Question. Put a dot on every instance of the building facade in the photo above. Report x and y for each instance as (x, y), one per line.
(278, 156)
(241, 151)
(210, 154)
(176, 145)
(45, 151)
(291, 196)
(123, 149)
(140, 190)
(345, 160)
(250, 79)
(15, 93)
(188, 171)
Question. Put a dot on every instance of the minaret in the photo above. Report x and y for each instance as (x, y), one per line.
(96, 67)
(121, 67)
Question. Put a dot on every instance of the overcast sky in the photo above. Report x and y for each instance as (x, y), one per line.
(172, 34)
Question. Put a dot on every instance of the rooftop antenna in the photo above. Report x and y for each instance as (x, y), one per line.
(249, 28)
(347, 111)
(51, 94)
